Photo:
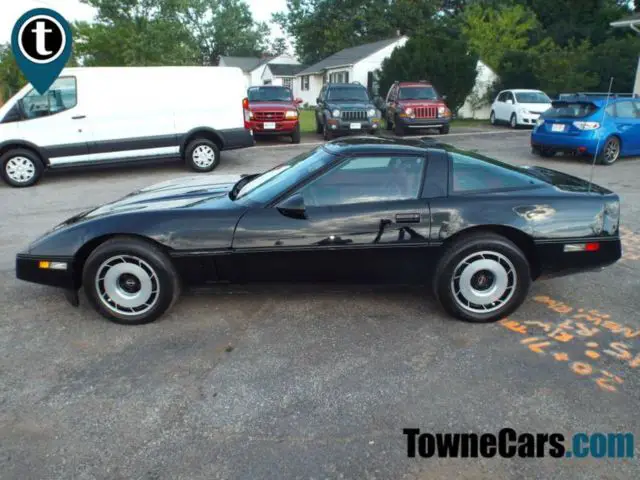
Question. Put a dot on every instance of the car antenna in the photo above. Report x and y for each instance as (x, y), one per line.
(595, 154)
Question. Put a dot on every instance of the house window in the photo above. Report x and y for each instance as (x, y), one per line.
(287, 82)
(304, 82)
(339, 77)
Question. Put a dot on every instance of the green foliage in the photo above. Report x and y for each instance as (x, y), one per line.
(278, 47)
(440, 57)
(618, 58)
(11, 78)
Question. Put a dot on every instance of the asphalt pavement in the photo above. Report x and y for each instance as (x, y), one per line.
(304, 381)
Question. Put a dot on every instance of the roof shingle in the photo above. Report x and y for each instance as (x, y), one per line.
(348, 56)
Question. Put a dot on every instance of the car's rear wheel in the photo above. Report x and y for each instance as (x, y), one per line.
(610, 151)
(130, 281)
(492, 117)
(295, 136)
(543, 151)
(21, 167)
(482, 278)
(202, 155)
(513, 122)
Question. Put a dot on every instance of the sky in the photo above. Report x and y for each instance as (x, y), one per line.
(11, 10)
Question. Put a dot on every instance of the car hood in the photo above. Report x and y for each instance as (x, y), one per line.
(272, 106)
(178, 193)
(349, 106)
(564, 182)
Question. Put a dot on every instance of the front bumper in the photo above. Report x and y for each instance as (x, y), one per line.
(342, 126)
(584, 143)
(528, 118)
(284, 127)
(29, 269)
(418, 123)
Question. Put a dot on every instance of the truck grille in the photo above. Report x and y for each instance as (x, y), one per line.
(354, 115)
(268, 116)
(426, 112)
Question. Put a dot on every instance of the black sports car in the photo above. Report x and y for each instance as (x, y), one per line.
(363, 210)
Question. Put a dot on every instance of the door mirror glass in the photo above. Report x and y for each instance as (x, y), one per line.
(293, 207)
(318, 100)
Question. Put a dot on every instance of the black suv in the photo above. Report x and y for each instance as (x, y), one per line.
(345, 108)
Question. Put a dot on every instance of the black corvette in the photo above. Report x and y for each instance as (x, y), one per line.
(361, 210)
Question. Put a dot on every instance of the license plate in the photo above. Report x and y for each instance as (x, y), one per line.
(355, 126)
(269, 126)
(557, 127)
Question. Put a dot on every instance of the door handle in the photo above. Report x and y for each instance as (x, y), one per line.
(408, 218)
(78, 117)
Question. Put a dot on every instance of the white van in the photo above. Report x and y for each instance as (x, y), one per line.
(102, 115)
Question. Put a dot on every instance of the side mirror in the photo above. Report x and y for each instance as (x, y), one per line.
(293, 207)
(444, 97)
(318, 100)
(510, 102)
(297, 101)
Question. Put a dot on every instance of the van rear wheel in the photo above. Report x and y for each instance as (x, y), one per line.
(21, 167)
(202, 155)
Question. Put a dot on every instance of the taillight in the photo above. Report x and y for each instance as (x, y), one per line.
(582, 247)
(586, 125)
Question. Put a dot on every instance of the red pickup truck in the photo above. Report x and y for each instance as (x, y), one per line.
(272, 110)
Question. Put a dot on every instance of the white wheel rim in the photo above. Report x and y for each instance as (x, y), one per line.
(20, 169)
(204, 156)
(127, 285)
(484, 282)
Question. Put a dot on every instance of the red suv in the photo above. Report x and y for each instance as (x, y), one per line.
(271, 110)
(415, 105)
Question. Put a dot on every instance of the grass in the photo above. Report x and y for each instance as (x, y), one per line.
(308, 122)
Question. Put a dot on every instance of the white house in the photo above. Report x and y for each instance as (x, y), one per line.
(280, 74)
(253, 67)
(476, 105)
(632, 22)
(356, 64)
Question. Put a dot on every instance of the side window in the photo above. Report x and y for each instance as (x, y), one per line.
(322, 92)
(61, 96)
(510, 97)
(366, 180)
(502, 97)
(611, 110)
(473, 174)
(625, 110)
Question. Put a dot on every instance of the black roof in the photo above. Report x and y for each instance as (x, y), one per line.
(284, 69)
(349, 56)
(363, 144)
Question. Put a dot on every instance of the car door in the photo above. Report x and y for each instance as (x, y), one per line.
(500, 106)
(55, 121)
(364, 221)
(627, 120)
(508, 107)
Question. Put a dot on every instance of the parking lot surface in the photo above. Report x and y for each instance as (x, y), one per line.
(308, 382)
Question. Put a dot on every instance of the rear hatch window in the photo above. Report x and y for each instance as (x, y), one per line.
(562, 109)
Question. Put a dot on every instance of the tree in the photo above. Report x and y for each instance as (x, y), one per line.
(492, 32)
(439, 56)
(323, 27)
(617, 58)
(566, 69)
(278, 47)
(11, 78)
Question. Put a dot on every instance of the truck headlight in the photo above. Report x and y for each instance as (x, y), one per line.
(336, 113)
(291, 114)
(372, 112)
(408, 111)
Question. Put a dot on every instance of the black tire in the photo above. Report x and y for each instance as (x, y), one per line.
(444, 130)
(167, 281)
(547, 152)
(492, 118)
(28, 164)
(326, 133)
(202, 155)
(451, 266)
(388, 124)
(608, 156)
(295, 136)
(398, 129)
(319, 127)
(513, 121)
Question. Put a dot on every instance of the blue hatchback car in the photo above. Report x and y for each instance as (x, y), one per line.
(581, 125)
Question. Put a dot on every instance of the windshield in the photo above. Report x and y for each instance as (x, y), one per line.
(418, 93)
(532, 97)
(348, 94)
(284, 176)
(570, 110)
(270, 94)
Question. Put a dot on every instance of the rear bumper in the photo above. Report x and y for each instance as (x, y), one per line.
(423, 122)
(235, 138)
(585, 143)
(555, 262)
(284, 127)
(28, 269)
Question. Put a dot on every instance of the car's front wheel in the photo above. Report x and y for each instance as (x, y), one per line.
(482, 278)
(202, 155)
(326, 133)
(492, 118)
(21, 167)
(130, 281)
(398, 128)
(295, 136)
(513, 123)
